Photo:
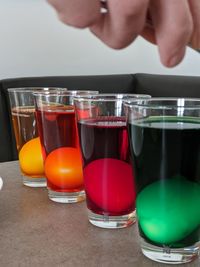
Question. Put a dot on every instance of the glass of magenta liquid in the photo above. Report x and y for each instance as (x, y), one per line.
(107, 170)
(164, 137)
(26, 134)
(60, 145)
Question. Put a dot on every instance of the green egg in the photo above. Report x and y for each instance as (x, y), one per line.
(168, 210)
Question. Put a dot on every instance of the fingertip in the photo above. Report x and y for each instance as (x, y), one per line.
(173, 60)
(112, 41)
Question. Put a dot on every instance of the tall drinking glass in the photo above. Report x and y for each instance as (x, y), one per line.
(26, 135)
(60, 145)
(107, 171)
(164, 136)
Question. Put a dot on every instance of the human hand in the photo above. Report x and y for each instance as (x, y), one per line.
(172, 24)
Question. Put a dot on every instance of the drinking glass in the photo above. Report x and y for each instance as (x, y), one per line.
(164, 135)
(26, 135)
(107, 171)
(60, 145)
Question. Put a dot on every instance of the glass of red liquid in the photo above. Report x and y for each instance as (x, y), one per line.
(107, 170)
(58, 134)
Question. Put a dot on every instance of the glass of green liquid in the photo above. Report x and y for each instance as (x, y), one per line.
(164, 135)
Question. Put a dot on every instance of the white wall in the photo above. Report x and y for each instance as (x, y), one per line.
(34, 43)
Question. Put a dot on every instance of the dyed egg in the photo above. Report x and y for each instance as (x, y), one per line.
(109, 184)
(63, 168)
(30, 158)
(167, 210)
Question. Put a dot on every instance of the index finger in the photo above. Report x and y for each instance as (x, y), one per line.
(123, 22)
(173, 26)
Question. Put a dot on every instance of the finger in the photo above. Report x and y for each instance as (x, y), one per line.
(149, 33)
(173, 26)
(195, 10)
(77, 13)
(122, 23)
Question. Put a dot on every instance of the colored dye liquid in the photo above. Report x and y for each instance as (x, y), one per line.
(60, 145)
(57, 128)
(107, 170)
(27, 142)
(166, 160)
(24, 124)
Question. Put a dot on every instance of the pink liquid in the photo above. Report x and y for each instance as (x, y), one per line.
(108, 176)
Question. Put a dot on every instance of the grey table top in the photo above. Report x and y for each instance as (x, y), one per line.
(35, 231)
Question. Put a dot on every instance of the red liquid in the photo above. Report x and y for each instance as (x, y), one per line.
(58, 128)
(61, 152)
(108, 177)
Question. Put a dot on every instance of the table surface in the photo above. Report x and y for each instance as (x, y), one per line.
(35, 231)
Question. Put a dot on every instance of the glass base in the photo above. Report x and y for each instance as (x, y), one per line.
(34, 182)
(169, 255)
(114, 222)
(66, 197)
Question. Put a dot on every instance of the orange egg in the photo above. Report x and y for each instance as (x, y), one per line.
(63, 168)
(30, 158)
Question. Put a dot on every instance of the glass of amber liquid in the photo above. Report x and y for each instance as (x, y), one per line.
(26, 134)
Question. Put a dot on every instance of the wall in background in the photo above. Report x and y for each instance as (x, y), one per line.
(34, 43)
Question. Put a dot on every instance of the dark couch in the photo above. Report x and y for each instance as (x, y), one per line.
(155, 85)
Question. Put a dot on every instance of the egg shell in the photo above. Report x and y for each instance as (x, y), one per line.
(30, 158)
(63, 168)
(167, 210)
(109, 184)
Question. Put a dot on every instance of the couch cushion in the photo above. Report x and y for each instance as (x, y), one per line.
(103, 83)
(168, 85)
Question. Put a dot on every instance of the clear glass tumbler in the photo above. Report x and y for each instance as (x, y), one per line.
(26, 134)
(164, 135)
(60, 145)
(107, 170)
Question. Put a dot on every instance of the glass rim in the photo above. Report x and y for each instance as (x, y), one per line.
(109, 97)
(65, 93)
(44, 89)
(157, 103)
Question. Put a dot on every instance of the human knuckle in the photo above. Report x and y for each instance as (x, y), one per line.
(80, 21)
(118, 43)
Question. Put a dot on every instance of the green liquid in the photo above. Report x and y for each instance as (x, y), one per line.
(166, 155)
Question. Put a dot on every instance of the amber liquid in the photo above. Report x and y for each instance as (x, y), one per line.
(24, 124)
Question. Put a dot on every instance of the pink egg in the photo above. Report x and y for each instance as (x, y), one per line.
(109, 183)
